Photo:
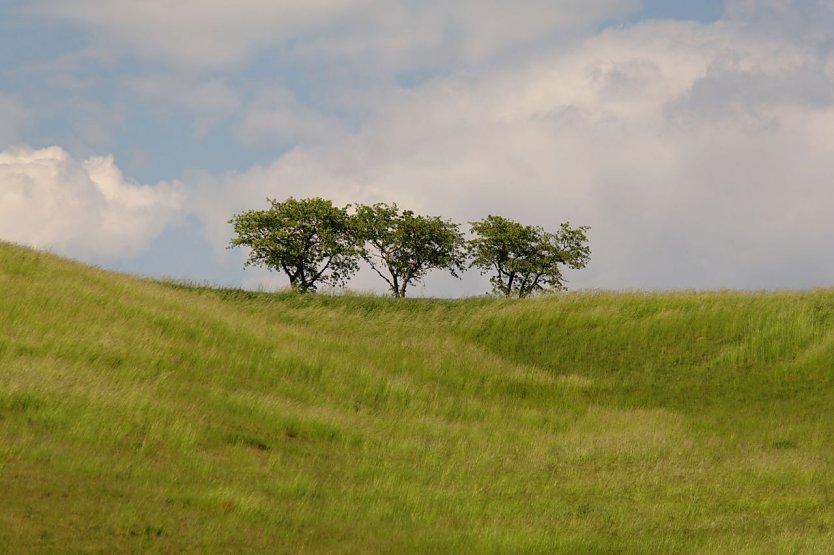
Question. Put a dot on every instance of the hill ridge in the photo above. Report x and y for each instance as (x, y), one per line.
(142, 415)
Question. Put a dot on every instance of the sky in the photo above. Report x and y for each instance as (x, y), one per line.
(696, 139)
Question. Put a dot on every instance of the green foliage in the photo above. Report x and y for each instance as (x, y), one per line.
(138, 416)
(310, 240)
(526, 259)
(403, 247)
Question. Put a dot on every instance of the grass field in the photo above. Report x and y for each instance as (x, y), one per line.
(138, 416)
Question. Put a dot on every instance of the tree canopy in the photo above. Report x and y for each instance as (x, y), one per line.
(525, 259)
(314, 242)
(310, 240)
(402, 247)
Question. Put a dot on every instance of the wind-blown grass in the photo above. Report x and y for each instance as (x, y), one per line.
(145, 416)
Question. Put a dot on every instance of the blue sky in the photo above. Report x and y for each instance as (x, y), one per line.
(695, 138)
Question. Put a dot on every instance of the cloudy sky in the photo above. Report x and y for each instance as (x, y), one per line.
(696, 138)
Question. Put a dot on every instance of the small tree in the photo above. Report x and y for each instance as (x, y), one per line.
(526, 258)
(402, 247)
(310, 240)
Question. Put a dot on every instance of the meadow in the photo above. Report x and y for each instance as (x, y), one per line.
(147, 416)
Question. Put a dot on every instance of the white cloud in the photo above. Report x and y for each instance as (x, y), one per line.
(217, 33)
(278, 113)
(196, 33)
(436, 34)
(700, 155)
(80, 207)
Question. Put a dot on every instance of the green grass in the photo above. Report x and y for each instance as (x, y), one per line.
(146, 416)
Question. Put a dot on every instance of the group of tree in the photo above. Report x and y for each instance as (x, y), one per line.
(314, 242)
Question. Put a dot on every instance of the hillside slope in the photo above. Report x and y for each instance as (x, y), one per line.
(143, 416)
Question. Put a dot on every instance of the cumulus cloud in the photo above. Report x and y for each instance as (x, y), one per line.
(80, 207)
(216, 33)
(699, 154)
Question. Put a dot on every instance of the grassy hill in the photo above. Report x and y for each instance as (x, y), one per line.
(144, 416)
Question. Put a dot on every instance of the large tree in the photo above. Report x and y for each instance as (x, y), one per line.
(310, 240)
(525, 259)
(403, 247)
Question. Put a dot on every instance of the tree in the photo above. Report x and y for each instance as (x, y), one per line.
(524, 258)
(402, 247)
(311, 240)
